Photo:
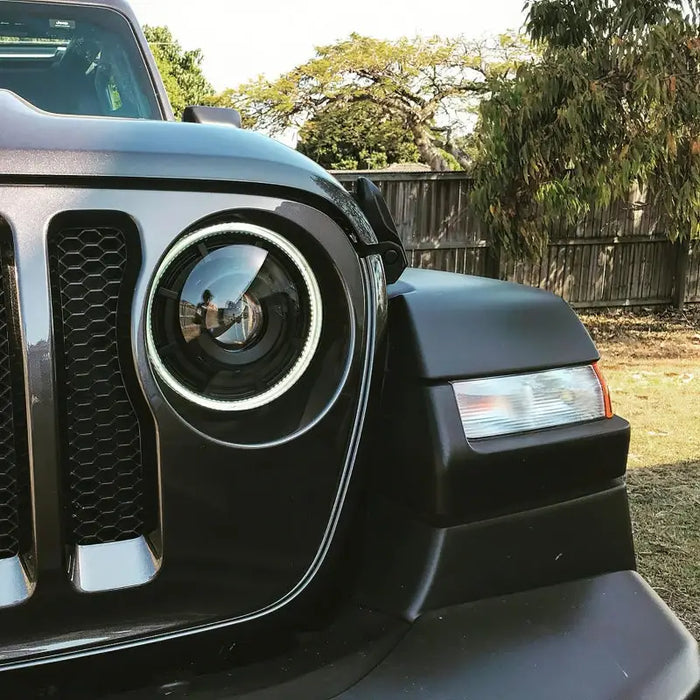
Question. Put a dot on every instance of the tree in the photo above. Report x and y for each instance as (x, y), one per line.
(611, 106)
(356, 136)
(425, 85)
(180, 70)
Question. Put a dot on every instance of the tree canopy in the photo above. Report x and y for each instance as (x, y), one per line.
(358, 136)
(423, 87)
(611, 105)
(180, 70)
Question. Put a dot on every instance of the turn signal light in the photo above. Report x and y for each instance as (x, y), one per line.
(526, 402)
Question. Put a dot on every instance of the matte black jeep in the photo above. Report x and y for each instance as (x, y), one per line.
(235, 462)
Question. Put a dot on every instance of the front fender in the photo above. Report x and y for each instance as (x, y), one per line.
(454, 519)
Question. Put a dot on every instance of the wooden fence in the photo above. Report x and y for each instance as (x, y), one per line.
(616, 257)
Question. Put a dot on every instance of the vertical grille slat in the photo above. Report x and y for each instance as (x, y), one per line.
(105, 478)
(15, 507)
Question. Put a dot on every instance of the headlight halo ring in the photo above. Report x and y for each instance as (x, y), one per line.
(315, 311)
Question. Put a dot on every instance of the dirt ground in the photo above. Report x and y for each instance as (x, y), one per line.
(652, 363)
(630, 335)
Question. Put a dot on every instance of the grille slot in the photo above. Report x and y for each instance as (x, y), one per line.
(15, 509)
(107, 460)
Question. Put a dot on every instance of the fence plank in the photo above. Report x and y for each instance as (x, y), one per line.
(617, 256)
(692, 292)
(682, 249)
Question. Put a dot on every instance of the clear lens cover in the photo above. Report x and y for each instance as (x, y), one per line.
(526, 402)
(235, 317)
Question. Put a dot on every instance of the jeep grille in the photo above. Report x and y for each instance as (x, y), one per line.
(107, 473)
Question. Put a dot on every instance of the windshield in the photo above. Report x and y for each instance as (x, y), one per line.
(74, 60)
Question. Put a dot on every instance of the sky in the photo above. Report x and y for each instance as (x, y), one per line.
(242, 40)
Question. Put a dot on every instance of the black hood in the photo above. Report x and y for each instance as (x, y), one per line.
(38, 145)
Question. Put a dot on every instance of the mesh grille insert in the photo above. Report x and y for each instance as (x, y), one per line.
(105, 480)
(15, 514)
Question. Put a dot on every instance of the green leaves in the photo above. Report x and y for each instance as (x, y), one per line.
(613, 103)
(180, 70)
(354, 136)
(418, 92)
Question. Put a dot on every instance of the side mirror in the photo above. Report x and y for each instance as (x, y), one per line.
(224, 116)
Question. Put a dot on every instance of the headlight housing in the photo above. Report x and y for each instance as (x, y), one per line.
(235, 317)
(526, 402)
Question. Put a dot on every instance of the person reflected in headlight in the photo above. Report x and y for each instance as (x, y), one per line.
(206, 312)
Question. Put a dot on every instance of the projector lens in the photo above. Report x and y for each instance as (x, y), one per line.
(235, 317)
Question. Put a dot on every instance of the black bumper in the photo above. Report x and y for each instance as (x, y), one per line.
(606, 637)
(595, 639)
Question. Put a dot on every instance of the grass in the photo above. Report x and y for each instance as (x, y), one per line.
(652, 364)
(665, 503)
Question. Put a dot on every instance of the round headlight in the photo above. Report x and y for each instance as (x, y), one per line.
(234, 317)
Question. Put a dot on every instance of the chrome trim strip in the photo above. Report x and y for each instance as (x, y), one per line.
(15, 584)
(112, 566)
(27, 217)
